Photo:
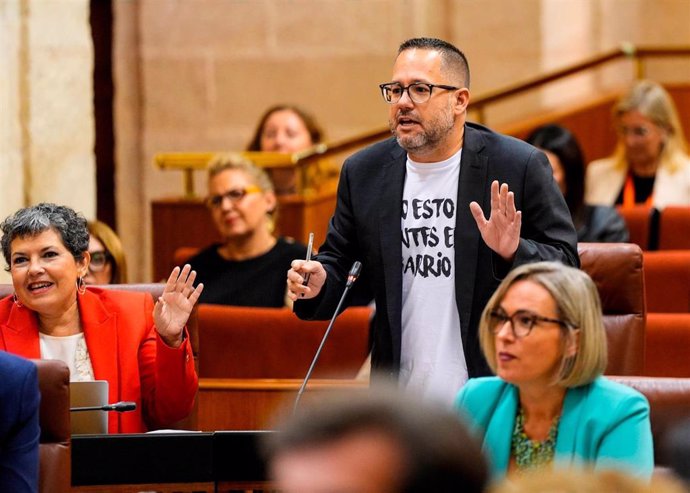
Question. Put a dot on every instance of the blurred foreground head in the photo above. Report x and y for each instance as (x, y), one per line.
(374, 442)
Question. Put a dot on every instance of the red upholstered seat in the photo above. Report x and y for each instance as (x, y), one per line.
(250, 342)
(616, 269)
(667, 281)
(54, 418)
(674, 228)
(668, 345)
(641, 223)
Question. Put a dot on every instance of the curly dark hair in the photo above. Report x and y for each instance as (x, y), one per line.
(34, 220)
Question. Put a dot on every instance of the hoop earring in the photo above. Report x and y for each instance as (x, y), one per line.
(16, 300)
(81, 285)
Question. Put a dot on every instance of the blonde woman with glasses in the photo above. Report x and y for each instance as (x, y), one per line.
(248, 267)
(549, 405)
(650, 165)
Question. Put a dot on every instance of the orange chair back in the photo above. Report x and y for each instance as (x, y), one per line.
(250, 342)
(642, 223)
(668, 340)
(667, 281)
(674, 228)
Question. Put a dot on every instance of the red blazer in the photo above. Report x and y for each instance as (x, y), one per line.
(125, 350)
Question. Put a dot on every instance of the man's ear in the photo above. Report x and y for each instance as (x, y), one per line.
(462, 100)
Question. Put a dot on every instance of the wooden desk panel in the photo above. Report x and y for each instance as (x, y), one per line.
(178, 222)
(252, 404)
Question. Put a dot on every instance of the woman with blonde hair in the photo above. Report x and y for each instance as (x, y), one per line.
(248, 267)
(548, 405)
(108, 264)
(650, 165)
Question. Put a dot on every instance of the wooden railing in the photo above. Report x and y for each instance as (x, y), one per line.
(189, 162)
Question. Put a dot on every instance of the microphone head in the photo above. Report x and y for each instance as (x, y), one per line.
(124, 406)
(354, 273)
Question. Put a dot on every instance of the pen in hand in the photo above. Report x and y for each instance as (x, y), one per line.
(310, 247)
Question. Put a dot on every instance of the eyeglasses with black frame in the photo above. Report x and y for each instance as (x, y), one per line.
(521, 322)
(98, 260)
(234, 196)
(419, 92)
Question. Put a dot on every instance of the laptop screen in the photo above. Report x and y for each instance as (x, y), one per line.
(87, 394)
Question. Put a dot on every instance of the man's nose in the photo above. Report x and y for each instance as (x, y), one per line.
(405, 99)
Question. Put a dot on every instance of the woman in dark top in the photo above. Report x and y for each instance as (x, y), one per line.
(594, 223)
(248, 268)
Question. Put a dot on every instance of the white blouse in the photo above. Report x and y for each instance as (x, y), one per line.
(72, 350)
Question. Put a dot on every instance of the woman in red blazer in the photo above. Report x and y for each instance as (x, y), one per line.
(141, 350)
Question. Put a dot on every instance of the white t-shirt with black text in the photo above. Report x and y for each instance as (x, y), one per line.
(432, 362)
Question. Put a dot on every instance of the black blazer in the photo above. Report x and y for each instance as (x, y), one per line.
(366, 227)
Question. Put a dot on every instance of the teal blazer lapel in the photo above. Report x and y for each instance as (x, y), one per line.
(571, 416)
(499, 431)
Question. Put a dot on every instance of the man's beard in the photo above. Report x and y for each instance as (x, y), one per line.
(433, 132)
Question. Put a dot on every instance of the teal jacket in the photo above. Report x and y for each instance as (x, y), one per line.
(604, 424)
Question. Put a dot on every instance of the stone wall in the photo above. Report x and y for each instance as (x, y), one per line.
(47, 130)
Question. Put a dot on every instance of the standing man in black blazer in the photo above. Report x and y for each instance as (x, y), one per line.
(412, 210)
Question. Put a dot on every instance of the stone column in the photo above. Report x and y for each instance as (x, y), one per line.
(46, 120)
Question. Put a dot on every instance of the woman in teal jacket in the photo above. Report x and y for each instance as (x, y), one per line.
(543, 336)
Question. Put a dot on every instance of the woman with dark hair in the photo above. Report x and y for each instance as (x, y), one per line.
(594, 223)
(289, 129)
(285, 128)
(142, 351)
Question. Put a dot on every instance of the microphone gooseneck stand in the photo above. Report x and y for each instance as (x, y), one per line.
(351, 278)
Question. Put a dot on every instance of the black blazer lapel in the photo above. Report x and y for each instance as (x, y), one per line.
(390, 190)
(472, 186)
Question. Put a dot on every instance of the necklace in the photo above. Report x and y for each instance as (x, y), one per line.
(529, 453)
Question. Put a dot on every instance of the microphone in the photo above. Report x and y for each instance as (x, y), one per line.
(120, 407)
(352, 276)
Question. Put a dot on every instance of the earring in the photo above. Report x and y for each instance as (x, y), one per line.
(16, 300)
(270, 222)
(81, 285)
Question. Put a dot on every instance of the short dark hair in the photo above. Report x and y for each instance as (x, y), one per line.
(454, 61)
(31, 221)
(563, 144)
(439, 453)
(313, 128)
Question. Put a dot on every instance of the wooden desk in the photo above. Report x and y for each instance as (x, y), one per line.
(251, 404)
(196, 462)
(168, 462)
